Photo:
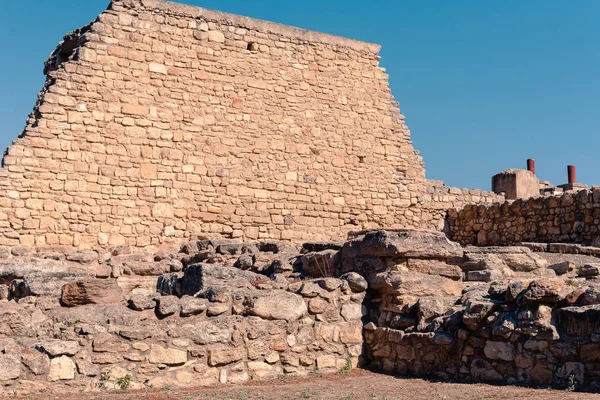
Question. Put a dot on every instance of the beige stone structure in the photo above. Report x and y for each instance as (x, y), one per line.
(161, 121)
(516, 184)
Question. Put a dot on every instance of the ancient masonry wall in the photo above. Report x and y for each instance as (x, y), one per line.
(161, 121)
(569, 218)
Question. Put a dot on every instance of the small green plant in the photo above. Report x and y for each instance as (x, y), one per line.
(348, 397)
(571, 385)
(305, 394)
(571, 282)
(347, 367)
(125, 382)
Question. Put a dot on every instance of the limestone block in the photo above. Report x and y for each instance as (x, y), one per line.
(61, 368)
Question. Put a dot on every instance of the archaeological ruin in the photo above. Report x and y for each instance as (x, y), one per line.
(200, 198)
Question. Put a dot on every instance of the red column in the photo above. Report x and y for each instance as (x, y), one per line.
(531, 165)
(572, 172)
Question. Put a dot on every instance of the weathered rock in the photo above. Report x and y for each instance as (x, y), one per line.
(40, 277)
(317, 305)
(37, 363)
(92, 291)
(562, 268)
(413, 283)
(406, 243)
(435, 267)
(56, 348)
(10, 367)
(160, 355)
(216, 309)
(86, 368)
(167, 305)
(278, 305)
(61, 368)
(352, 312)
(168, 285)
(544, 291)
(143, 301)
(224, 356)
(589, 270)
(357, 283)
(201, 332)
(192, 306)
(109, 343)
(499, 351)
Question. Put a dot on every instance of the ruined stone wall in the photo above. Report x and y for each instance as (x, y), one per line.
(569, 218)
(74, 321)
(161, 121)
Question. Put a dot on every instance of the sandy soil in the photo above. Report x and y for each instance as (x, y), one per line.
(356, 385)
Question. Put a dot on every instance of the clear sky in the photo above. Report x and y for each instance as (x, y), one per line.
(484, 84)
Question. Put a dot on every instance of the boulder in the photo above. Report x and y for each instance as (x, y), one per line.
(92, 291)
(429, 308)
(278, 305)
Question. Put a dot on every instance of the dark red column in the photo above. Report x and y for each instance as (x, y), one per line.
(531, 165)
(572, 172)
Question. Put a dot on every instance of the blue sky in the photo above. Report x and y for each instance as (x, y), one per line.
(484, 84)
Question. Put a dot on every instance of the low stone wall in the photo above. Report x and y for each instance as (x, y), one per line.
(62, 328)
(569, 218)
(540, 327)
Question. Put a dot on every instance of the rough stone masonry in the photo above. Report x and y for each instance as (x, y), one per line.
(160, 122)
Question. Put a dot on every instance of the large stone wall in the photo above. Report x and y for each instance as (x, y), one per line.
(160, 122)
(573, 217)
(170, 121)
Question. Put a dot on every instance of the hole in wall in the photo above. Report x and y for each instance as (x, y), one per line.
(252, 46)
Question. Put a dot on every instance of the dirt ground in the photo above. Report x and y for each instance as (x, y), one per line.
(356, 385)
